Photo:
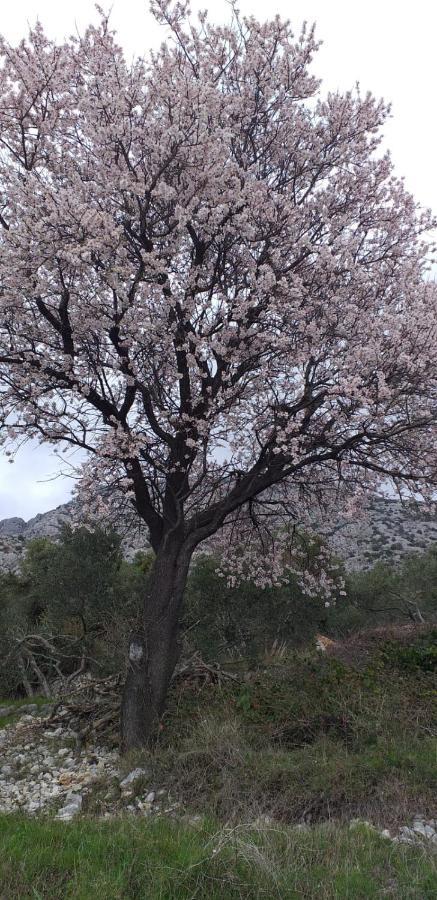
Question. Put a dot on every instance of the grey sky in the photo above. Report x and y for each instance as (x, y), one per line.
(387, 46)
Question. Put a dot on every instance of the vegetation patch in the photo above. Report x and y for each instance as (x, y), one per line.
(304, 740)
(161, 859)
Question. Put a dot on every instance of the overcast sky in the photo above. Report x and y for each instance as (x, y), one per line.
(387, 46)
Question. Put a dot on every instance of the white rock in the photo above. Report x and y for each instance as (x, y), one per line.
(66, 813)
(72, 808)
(150, 797)
(53, 734)
(198, 820)
(133, 776)
(407, 835)
(424, 830)
(33, 806)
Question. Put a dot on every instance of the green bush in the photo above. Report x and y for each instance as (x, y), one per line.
(79, 597)
(400, 592)
(247, 619)
(422, 655)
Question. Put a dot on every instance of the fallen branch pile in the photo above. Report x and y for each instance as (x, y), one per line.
(199, 673)
(91, 709)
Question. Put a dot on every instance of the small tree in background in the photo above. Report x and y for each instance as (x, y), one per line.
(405, 592)
(80, 582)
(211, 282)
(55, 614)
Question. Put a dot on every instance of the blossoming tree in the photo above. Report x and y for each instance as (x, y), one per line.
(212, 282)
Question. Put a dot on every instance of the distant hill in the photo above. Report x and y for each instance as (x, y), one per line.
(389, 530)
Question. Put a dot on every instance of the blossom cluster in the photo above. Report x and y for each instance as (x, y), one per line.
(210, 278)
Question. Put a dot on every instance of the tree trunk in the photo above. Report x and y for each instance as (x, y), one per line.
(153, 650)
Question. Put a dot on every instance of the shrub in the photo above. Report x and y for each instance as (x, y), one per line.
(246, 619)
(70, 607)
(422, 655)
(388, 592)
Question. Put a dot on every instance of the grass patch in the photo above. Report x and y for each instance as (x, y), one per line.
(17, 704)
(159, 859)
(26, 701)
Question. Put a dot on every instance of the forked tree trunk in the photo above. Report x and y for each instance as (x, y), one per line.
(153, 650)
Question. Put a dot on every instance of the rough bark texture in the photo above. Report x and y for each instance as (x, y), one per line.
(153, 651)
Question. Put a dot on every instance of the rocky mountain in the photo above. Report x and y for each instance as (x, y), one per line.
(15, 533)
(388, 531)
(43, 525)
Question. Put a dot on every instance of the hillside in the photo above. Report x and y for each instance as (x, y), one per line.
(387, 532)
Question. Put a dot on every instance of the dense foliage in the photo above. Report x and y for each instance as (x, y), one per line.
(74, 602)
(59, 613)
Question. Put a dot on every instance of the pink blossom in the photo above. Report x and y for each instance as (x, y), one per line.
(212, 281)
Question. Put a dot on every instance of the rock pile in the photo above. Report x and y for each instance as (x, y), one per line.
(421, 830)
(43, 770)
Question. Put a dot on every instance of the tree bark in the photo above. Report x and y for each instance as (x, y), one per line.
(154, 649)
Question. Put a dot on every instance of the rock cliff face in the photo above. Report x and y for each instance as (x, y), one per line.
(43, 525)
(15, 534)
(388, 531)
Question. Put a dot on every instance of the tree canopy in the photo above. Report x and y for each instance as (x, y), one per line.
(209, 278)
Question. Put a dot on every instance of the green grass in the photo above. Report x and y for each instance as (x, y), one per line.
(125, 859)
(16, 704)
